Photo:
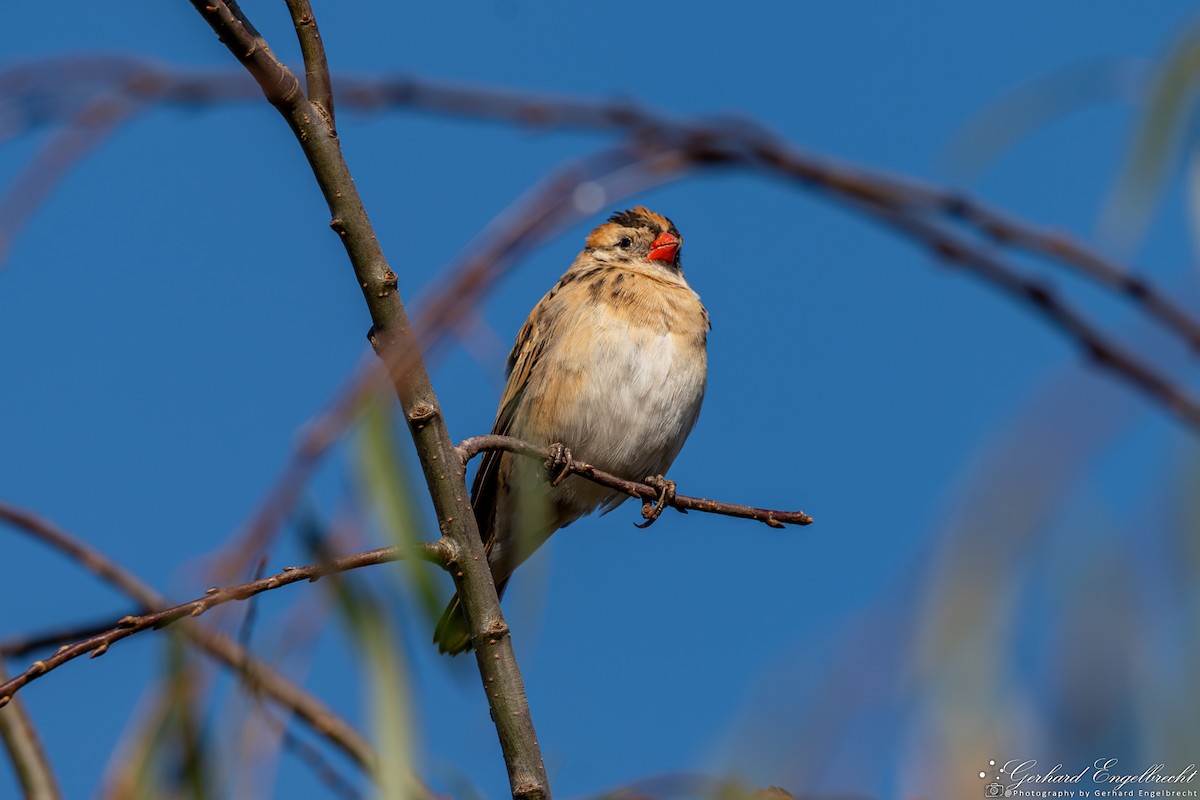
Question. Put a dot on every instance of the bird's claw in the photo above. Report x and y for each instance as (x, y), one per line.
(559, 463)
(666, 496)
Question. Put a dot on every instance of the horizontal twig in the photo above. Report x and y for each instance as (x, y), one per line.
(255, 674)
(24, 644)
(127, 626)
(469, 448)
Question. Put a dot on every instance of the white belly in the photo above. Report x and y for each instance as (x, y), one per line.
(635, 406)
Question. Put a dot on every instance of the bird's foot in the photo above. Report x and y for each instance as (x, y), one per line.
(666, 496)
(559, 463)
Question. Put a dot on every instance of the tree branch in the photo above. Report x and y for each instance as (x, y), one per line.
(255, 674)
(147, 83)
(1104, 352)
(742, 142)
(392, 336)
(22, 645)
(316, 65)
(469, 448)
(97, 645)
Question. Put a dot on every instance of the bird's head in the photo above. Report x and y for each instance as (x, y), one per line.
(637, 236)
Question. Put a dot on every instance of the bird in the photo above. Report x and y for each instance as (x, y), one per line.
(612, 366)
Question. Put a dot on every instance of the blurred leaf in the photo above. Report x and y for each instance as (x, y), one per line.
(1156, 144)
(168, 757)
(1193, 198)
(33, 770)
(387, 486)
(1036, 105)
(387, 693)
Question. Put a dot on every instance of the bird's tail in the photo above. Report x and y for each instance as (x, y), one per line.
(452, 634)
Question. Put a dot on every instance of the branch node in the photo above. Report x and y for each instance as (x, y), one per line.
(530, 791)
(494, 631)
(448, 551)
(420, 415)
(127, 622)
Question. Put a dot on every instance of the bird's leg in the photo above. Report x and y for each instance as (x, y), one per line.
(559, 463)
(666, 496)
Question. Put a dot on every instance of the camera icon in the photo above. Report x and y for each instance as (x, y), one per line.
(994, 790)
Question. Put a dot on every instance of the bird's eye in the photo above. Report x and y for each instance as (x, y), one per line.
(625, 243)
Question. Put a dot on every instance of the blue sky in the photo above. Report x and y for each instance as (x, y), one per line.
(178, 309)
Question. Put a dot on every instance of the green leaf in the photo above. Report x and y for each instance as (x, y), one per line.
(389, 492)
(1157, 144)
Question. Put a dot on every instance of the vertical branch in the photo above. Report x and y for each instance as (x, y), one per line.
(316, 66)
(393, 338)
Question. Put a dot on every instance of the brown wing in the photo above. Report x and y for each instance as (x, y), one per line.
(486, 488)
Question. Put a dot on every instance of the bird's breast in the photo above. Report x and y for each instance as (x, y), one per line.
(629, 380)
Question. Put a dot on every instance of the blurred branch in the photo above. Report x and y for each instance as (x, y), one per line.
(81, 134)
(552, 205)
(1007, 231)
(148, 84)
(548, 208)
(95, 646)
(313, 441)
(24, 747)
(314, 758)
(1102, 350)
(906, 205)
(653, 496)
(392, 335)
(255, 674)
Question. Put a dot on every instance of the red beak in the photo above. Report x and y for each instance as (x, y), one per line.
(663, 248)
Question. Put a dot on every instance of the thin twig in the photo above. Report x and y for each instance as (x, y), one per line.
(316, 65)
(255, 674)
(22, 645)
(98, 645)
(469, 448)
(392, 334)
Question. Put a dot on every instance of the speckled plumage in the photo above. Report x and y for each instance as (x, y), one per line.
(611, 363)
